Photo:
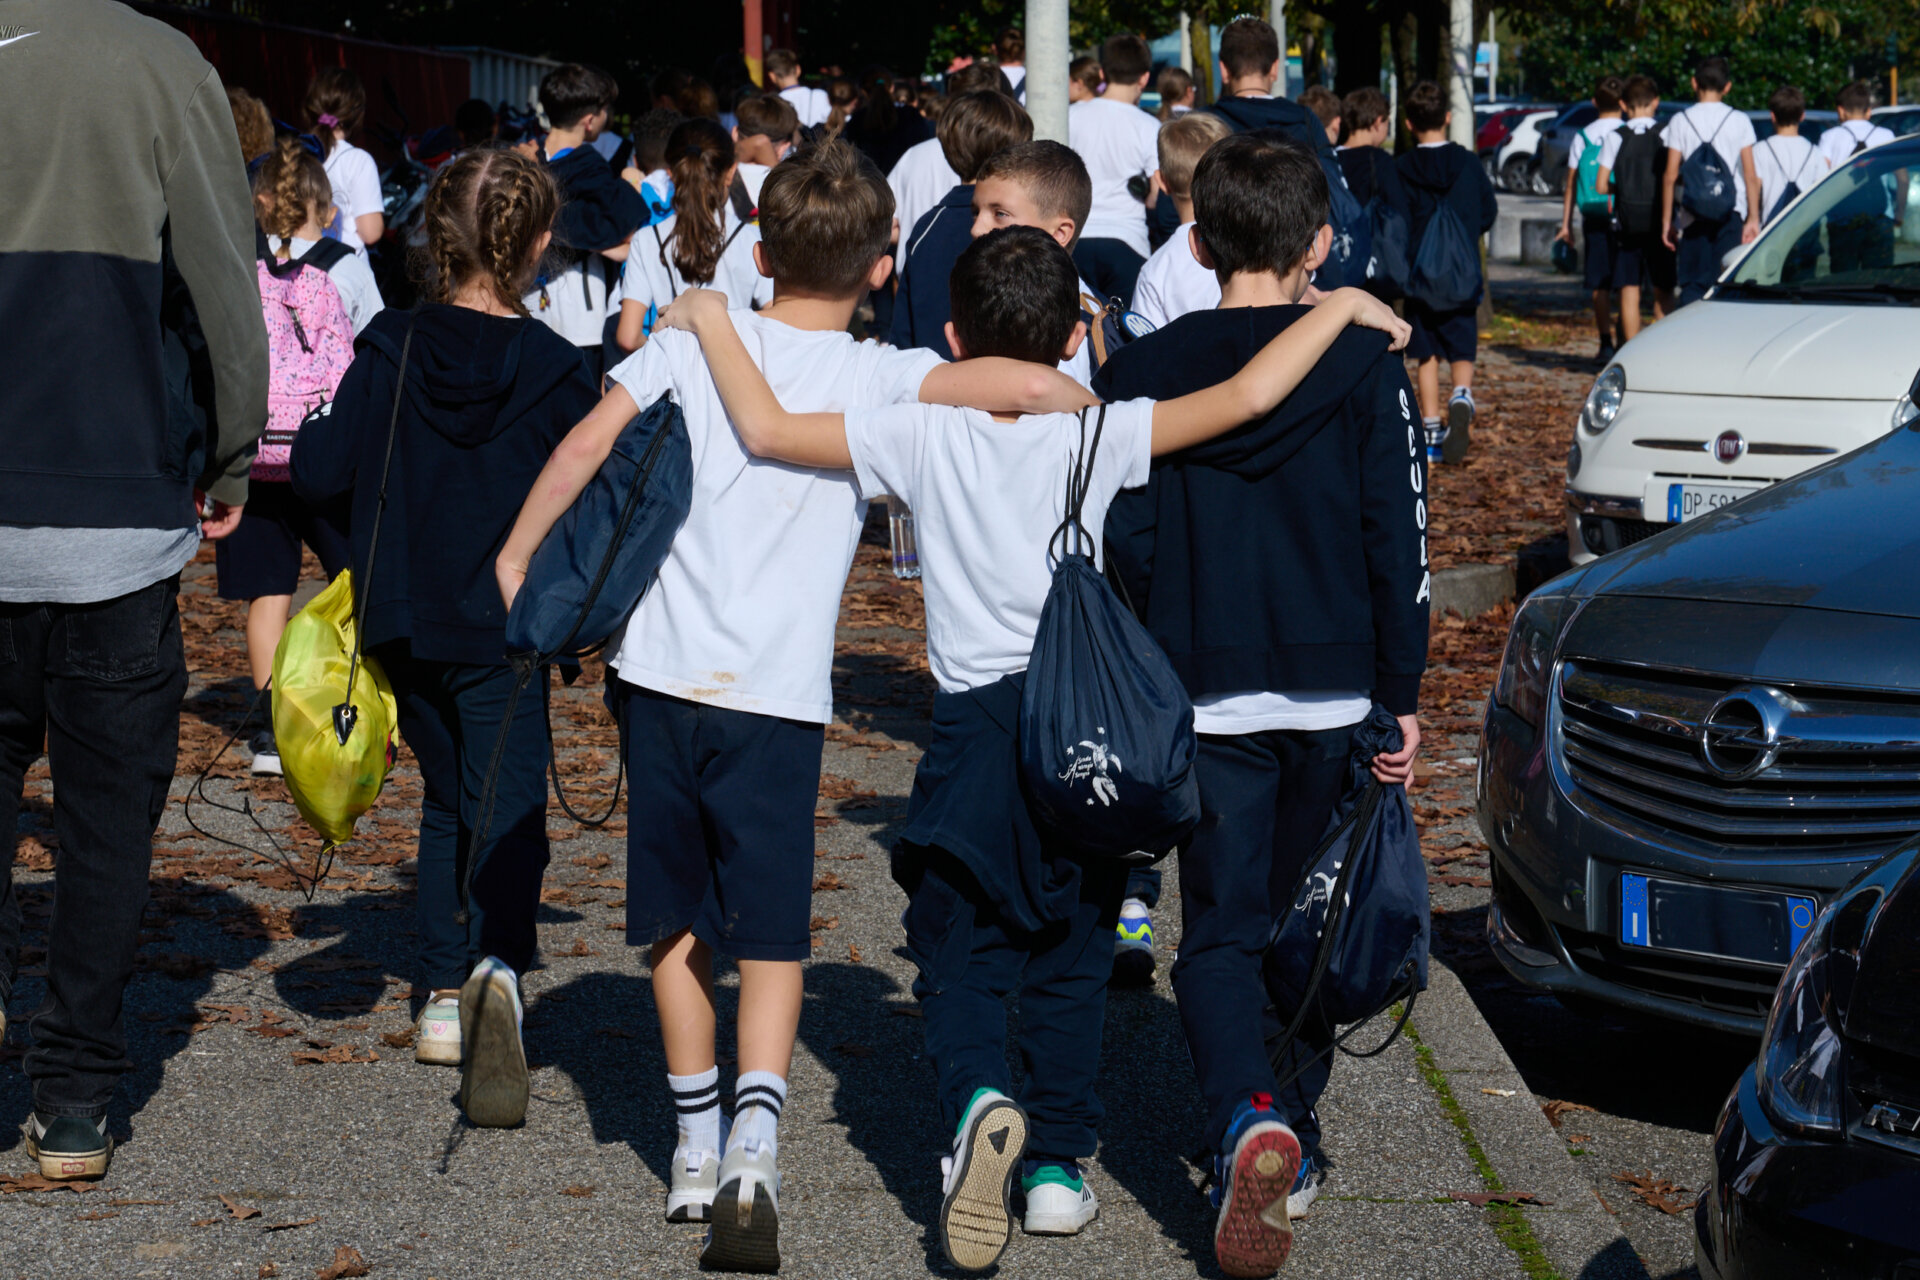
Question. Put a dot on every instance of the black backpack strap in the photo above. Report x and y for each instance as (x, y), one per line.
(326, 255)
(673, 290)
(1071, 533)
(345, 714)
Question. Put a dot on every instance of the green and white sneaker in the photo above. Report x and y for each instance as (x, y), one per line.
(976, 1218)
(436, 1036)
(743, 1233)
(1059, 1201)
(493, 1064)
(69, 1148)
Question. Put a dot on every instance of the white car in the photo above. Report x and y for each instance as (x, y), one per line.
(1513, 163)
(1803, 351)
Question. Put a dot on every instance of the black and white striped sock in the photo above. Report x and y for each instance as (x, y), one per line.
(697, 1100)
(758, 1097)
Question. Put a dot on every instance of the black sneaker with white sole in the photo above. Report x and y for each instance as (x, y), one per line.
(1453, 446)
(69, 1148)
(976, 1217)
(266, 754)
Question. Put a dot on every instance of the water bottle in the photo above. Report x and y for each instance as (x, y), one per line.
(906, 552)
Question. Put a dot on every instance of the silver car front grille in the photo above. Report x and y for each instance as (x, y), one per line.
(1748, 765)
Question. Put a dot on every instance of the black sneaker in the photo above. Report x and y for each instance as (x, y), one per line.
(266, 755)
(1453, 446)
(1606, 353)
(69, 1147)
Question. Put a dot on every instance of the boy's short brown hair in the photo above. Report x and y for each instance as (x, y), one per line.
(1362, 109)
(1427, 107)
(977, 124)
(1126, 58)
(1856, 98)
(574, 91)
(1641, 93)
(769, 115)
(826, 216)
(1249, 47)
(1088, 72)
(1322, 101)
(1183, 141)
(1788, 105)
(1051, 173)
(782, 63)
(976, 76)
(1607, 92)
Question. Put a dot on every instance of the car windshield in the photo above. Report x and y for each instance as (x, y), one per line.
(1849, 240)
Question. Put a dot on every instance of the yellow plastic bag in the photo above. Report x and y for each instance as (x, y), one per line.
(335, 750)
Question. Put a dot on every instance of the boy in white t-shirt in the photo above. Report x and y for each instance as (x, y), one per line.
(1045, 186)
(1596, 228)
(1860, 228)
(1701, 244)
(995, 905)
(1173, 282)
(724, 670)
(1116, 139)
(1631, 163)
(783, 73)
(764, 127)
(1787, 164)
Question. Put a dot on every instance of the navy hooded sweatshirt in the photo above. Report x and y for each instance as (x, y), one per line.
(1289, 555)
(487, 398)
(1433, 174)
(1280, 115)
(927, 255)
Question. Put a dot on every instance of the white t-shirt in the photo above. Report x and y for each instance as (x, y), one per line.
(986, 497)
(1778, 161)
(1017, 77)
(1610, 145)
(1840, 142)
(1731, 133)
(1174, 283)
(920, 180)
(649, 281)
(356, 191)
(753, 177)
(744, 610)
(359, 292)
(1597, 131)
(576, 300)
(1231, 713)
(1117, 140)
(812, 105)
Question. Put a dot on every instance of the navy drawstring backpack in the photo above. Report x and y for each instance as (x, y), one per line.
(1354, 941)
(1106, 741)
(589, 575)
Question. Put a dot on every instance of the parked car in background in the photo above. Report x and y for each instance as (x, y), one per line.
(1812, 124)
(1493, 126)
(1513, 162)
(1694, 746)
(1901, 120)
(1786, 363)
(1817, 1153)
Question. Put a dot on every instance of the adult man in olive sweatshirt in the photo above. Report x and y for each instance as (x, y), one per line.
(134, 377)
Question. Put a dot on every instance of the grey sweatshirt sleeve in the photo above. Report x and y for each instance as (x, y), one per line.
(210, 217)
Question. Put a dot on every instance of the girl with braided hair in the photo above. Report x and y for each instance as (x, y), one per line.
(445, 418)
(704, 244)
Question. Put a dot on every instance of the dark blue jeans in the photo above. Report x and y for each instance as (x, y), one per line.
(970, 961)
(1702, 246)
(450, 715)
(1144, 883)
(1265, 799)
(101, 685)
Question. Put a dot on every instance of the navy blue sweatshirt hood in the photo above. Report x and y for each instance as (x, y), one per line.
(1248, 114)
(485, 401)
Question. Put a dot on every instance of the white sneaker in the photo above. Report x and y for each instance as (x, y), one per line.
(436, 1032)
(1306, 1188)
(976, 1218)
(1058, 1208)
(744, 1223)
(695, 1181)
(493, 1064)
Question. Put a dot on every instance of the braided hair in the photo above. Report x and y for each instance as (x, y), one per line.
(290, 187)
(485, 214)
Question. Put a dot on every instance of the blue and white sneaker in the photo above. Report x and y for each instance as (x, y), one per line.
(1252, 1179)
(1306, 1187)
(1436, 433)
(1133, 945)
(493, 1064)
(1459, 426)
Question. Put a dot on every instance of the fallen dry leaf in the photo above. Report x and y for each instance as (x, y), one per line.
(1498, 1093)
(240, 1212)
(346, 1263)
(1556, 1110)
(580, 948)
(1485, 1198)
(577, 1191)
(288, 1226)
(267, 1270)
(824, 922)
(398, 1039)
(93, 1217)
(1655, 1193)
(204, 1222)
(11, 1184)
(827, 882)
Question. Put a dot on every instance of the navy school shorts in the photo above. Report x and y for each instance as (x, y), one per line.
(1598, 234)
(261, 557)
(1446, 335)
(720, 825)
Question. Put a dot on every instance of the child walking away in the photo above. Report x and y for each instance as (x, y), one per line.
(1705, 213)
(1786, 164)
(724, 672)
(1860, 228)
(335, 105)
(309, 345)
(783, 73)
(1595, 207)
(1452, 205)
(1283, 570)
(704, 243)
(1632, 160)
(973, 127)
(1173, 282)
(923, 175)
(1367, 121)
(1116, 139)
(995, 904)
(577, 291)
(444, 421)
(763, 132)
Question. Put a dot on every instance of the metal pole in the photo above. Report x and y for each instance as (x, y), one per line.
(1460, 83)
(1277, 18)
(1047, 57)
(1186, 42)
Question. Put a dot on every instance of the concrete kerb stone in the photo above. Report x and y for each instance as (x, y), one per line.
(1575, 1231)
(1472, 589)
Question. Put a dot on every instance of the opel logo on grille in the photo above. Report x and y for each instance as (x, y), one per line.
(1729, 447)
(1742, 736)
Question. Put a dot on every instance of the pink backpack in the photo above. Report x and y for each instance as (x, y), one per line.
(310, 342)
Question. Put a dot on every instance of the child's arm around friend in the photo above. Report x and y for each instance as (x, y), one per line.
(820, 439)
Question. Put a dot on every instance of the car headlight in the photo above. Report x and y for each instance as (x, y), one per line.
(1802, 1059)
(1904, 412)
(1527, 667)
(1603, 402)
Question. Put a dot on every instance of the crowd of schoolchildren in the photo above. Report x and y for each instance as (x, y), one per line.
(1245, 459)
(1661, 205)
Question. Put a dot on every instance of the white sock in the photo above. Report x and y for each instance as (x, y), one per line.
(757, 1099)
(697, 1100)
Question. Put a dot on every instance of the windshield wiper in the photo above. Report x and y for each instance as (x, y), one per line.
(1878, 289)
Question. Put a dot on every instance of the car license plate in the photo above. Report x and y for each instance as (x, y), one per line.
(1759, 926)
(1690, 501)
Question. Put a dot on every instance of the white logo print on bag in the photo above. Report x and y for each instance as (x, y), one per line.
(1093, 767)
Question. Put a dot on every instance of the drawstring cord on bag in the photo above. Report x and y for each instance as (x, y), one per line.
(1071, 533)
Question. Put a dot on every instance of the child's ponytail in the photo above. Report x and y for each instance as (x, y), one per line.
(335, 100)
(700, 155)
(486, 214)
(290, 186)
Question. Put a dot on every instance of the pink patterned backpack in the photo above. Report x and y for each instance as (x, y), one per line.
(310, 341)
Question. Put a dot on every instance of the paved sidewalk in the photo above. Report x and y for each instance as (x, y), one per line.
(256, 1014)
